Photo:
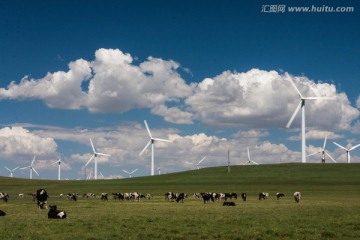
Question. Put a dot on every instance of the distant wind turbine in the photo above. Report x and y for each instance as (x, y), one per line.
(159, 171)
(198, 163)
(152, 141)
(302, 106)
(249, 161)
(323, 152)
(130, 172)
(347, 150)
(31, 168)
(11, 171)
(59, 163)
(95, 155)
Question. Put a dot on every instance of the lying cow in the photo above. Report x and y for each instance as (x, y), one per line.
(279, 195)
(4, 196)
(228, 204)
(56, 214)
(263, 196)
(41, 197)
(297, 196)
(2, 213)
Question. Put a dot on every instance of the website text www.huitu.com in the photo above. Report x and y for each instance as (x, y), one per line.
(308, 9)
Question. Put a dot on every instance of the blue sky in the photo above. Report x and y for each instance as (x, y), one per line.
(208, 75)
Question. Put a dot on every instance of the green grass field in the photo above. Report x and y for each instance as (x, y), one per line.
(329, 208)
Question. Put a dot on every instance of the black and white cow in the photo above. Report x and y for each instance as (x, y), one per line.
(2, 213)
(170, 196)
(243, 196)
(228, 204)
(280, 195)
(263, 196)
(56, 214)
(72, 196)
(89, 195)
(41, 197)
(4, 196)
(135, 196)
(207, 197)
(297, 196)
(181, 197)
(230, 195)
(104, 196)
(118, 196)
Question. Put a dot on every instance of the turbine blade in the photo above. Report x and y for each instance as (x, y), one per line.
(15, 168)
(32, 162)
(133, 171)
(89, 160)
(354, 147)
(8, 169)
(147, 145)
(293, 84)
(340, 146)
(255, 162)
(317, 98)
(294, 114)
(25, 167)
(161, 140)
(103, 154)
(201, 160)
(330, 157)
(125, 171)
(188, 162)
(312, 154)
(35, 171)
(147, 128)
(92, 145)
(325, 142)
(248, 152)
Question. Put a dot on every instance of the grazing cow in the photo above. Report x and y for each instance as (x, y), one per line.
(279, 195)
(2, 213)
(72, 196)
(135, 196)
(118, 196)
(170, 196)
(297, 196)
(4, 196)
(230, 195)
(228, 204)
(89, 195)
(243, 196)
(21, 195)
(263, 196)
(56, 214)
(104, 196)
(181, 197)
(41, 197)
(206, 197)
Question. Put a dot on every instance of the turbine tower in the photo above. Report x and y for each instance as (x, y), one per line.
(152, 141)
(323, 152)
(31, 168)
(11, 171)
(59, 163)
(130, 172)
(197, 164)
(302, 106)
(347, 150)
(249, 161)
(94, 156)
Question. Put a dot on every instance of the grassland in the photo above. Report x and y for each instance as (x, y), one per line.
(329, 208)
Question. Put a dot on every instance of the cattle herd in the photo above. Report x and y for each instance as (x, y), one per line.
(41, 197)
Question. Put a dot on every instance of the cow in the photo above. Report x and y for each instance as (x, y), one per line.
(4, 196)
(135, 196)
(89, 195)
(2, 213)
(56, 214)
(21, 195)
(170, 196)
(297, 196)
(118, 196)
(243, 196)
(181, 197)
(206, 197)
(263, 196)
(228, 204)
(149, 196)
(72, 196)
(33, 195)
(41, 197)
(104, 196)
(280, 195)
(230, 195)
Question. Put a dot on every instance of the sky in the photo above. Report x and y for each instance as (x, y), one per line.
(209, 76)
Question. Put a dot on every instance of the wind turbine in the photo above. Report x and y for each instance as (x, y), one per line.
(302, 106)
(347, 150)
(95, 155)
(130, 172)
(31, 168)
(323, 152)
(159, 171)
(59, 162)
(152, 140)
(249, 162)
(11, 171)
(197, 164)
